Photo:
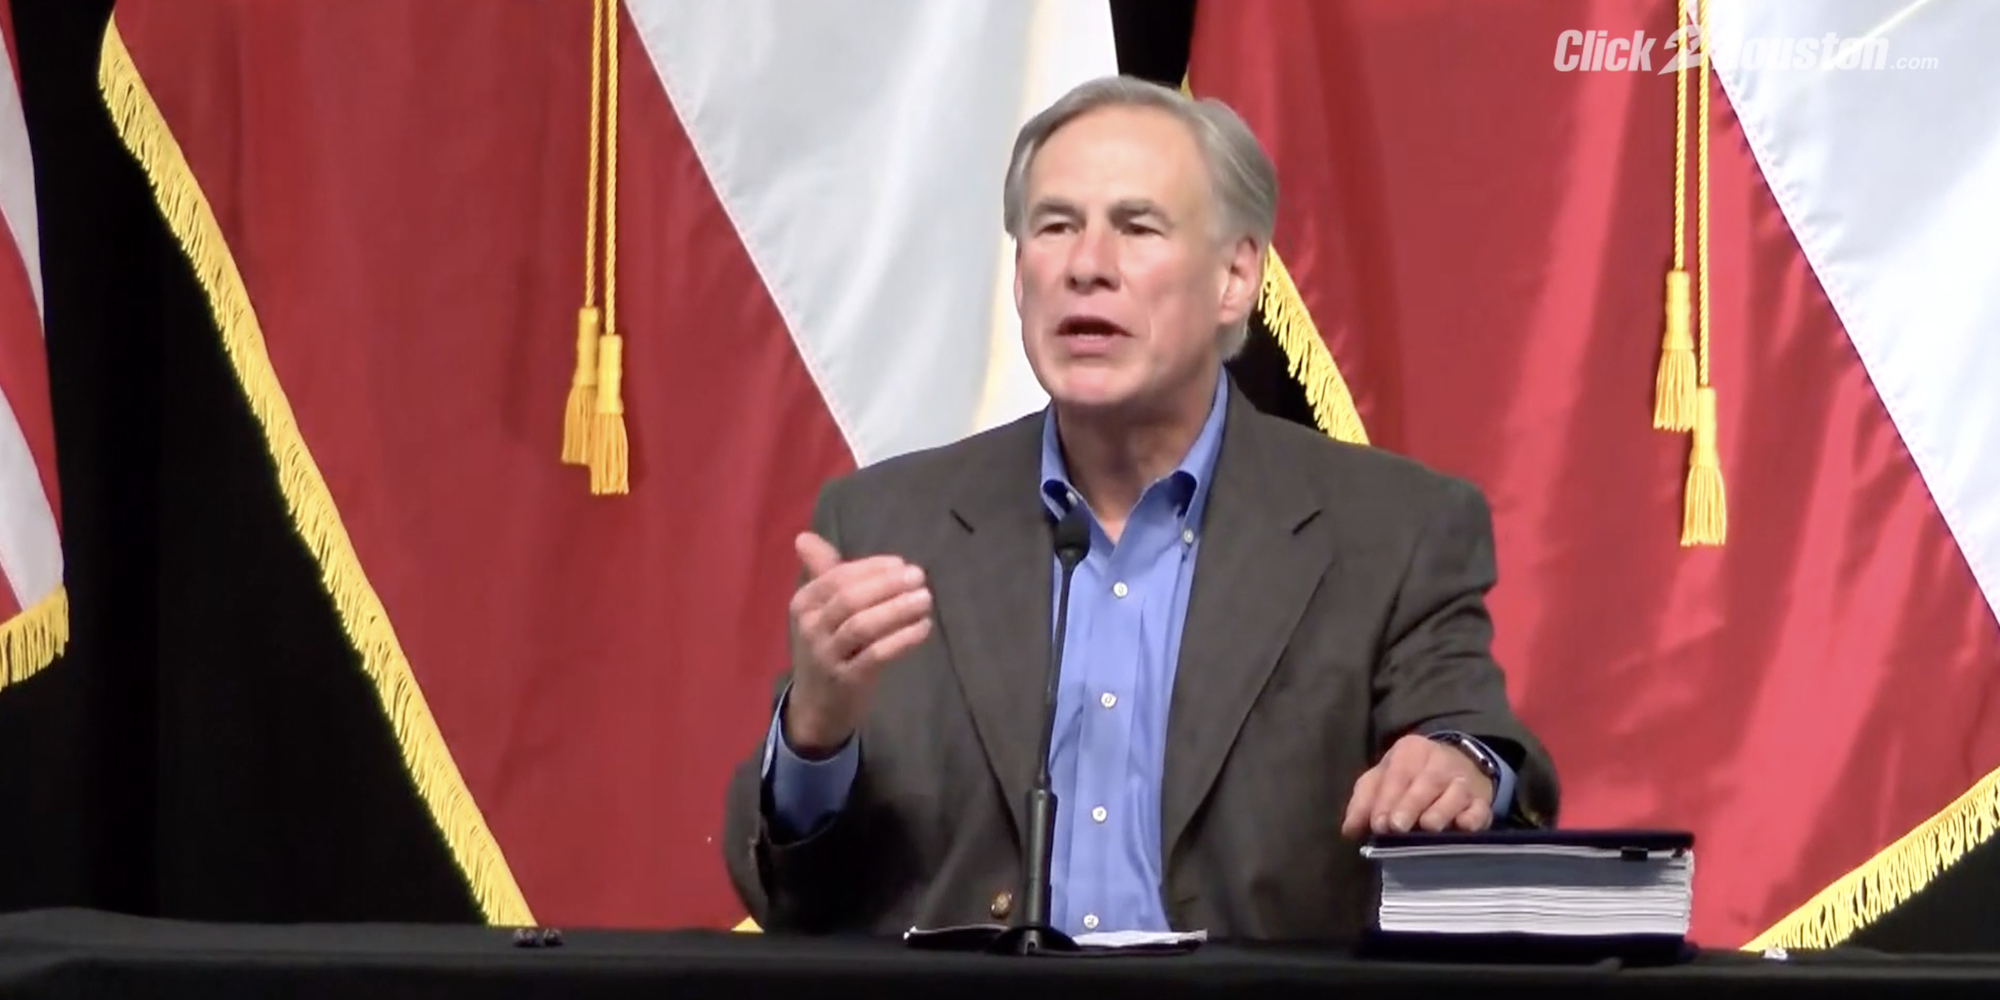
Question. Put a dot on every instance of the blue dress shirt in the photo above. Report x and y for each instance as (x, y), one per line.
(1127, 605)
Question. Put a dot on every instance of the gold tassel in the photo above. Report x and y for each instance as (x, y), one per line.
(589, 325)
(1705, 511)
(1706, 520)
(1673, 398)
(608, 449)
(1673, 389)
(609, 459)
(582, 389)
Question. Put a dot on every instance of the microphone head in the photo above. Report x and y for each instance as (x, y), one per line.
(1073, 536)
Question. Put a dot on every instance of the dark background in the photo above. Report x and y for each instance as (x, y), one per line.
(208, 747)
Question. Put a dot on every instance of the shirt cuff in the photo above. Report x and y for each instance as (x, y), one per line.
(804, 794)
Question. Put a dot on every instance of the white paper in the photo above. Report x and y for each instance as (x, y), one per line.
(1534, 889)
(1139, 939)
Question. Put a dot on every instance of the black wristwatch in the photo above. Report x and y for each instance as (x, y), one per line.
(1488, 763)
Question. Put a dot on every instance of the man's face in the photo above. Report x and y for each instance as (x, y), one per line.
(1119, 278)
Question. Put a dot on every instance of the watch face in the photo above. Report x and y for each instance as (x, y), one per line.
(1473, 750)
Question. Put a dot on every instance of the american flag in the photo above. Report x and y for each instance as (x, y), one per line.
(34, 613)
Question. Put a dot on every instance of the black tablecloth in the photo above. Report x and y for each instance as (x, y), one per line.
(71, 953)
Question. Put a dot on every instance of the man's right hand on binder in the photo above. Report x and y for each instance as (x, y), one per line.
(1420, 783)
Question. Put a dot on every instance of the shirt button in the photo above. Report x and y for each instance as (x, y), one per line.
(1072, 498)
(1119, 589)
(1107, 699)
(1090, 921)
(1187, 536)
(1098, 814)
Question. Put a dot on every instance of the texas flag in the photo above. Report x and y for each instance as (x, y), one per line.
(1704, 295)
(762, 241)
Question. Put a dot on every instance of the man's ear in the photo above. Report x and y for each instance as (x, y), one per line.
(1017, 277)
(1243, 276)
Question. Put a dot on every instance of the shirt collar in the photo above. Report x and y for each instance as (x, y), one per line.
(1191, 478)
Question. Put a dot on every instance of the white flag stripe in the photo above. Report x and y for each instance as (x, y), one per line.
(1887, 178)
(858, 147)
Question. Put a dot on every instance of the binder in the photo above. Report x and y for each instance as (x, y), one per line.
(1534, 896)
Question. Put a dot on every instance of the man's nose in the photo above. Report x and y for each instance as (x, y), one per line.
(1092, 261)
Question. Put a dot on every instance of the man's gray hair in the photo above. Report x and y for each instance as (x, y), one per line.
(1244, 182)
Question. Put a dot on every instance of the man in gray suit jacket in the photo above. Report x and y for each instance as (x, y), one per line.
(1277, 643)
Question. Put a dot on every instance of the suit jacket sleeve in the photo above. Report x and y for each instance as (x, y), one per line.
(832, 878)
(1437, 672)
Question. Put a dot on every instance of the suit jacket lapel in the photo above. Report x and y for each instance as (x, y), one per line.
(1254, 575)
(993, 604)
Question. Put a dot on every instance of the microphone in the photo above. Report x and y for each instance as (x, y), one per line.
(1031, 932)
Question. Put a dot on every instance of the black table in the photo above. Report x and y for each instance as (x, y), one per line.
(73, 953)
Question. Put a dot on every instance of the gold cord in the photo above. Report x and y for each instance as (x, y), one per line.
(609, 450)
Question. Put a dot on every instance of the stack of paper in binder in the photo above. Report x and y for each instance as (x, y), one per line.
(1595, 889)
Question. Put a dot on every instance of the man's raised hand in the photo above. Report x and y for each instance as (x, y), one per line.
(849, 619)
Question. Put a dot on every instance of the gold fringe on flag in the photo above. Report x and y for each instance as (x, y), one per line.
(32, 639)
(1894, 875)
(589, 318)
(1705, 515)
(1306, 355)
(185, 208)
(608, 453)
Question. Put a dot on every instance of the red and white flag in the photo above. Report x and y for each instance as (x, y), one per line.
(34, 611)
(1777, 630)
(1880, 150)
(390, 204)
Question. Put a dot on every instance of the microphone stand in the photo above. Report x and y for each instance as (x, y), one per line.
(1031, 932)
